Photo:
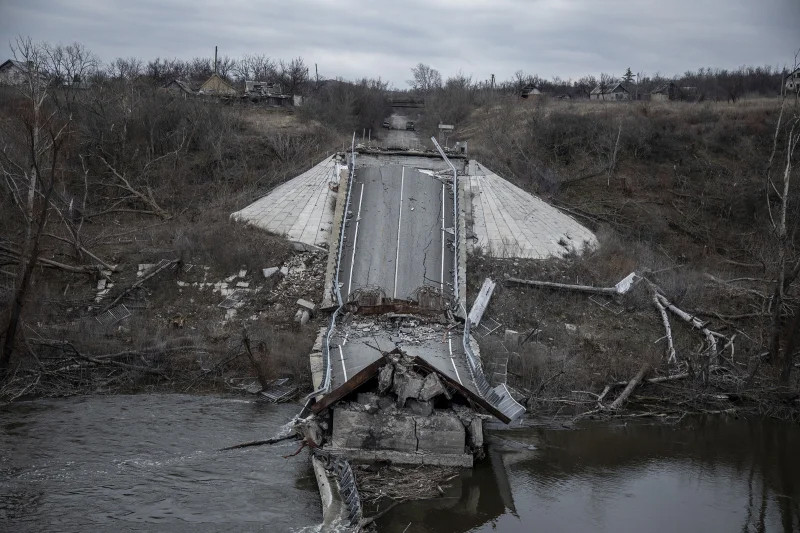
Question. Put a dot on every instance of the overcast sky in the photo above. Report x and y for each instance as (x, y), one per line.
(356, 38)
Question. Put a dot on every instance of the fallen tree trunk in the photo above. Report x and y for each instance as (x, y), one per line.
(632, 384)
(102, 362)
(139, 283)
(671, 356)
(250, 444)
(693, 321)
(80, 269)
(610, 291)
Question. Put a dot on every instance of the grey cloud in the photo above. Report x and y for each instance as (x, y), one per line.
(353, 38)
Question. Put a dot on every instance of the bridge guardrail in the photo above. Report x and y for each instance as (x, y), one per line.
(326, 357)
(456, 240)
(498, 396)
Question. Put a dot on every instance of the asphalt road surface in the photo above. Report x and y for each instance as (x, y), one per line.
(398, 136)
(398, 233)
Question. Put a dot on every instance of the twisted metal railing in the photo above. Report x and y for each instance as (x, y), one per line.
(325, 385)
(498, 396)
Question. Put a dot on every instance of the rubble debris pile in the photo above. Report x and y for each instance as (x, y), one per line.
(405, 416)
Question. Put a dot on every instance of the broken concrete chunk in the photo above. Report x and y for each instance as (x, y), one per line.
(359, 429)
(431, 387)
(311, 306)
(385, 378)
(476, 433)
(419, 407)
(301, 317)
(269, 272)
(285, 270)
(242, 284)
(441, 433)
(367, 399)
(385, 403)
(406, 385)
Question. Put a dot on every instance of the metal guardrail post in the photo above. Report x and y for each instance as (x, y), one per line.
(455, 217)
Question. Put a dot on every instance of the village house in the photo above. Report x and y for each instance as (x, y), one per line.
(530, 90)
(14, 72)
(179, 88)
(262, 88)
(614, 91)
(792, 81)
(217, 86)
(668, 91)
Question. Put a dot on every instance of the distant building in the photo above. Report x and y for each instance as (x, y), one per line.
(668, 91)
(217, 86)
(13, 72)
(262, 88)
(530, 90)
(792, 81)
(612, 91)
(179, 88)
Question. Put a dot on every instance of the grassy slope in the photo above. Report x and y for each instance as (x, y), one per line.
(181, 330)
(686, 198)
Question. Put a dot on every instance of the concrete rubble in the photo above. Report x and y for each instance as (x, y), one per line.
(406, 416)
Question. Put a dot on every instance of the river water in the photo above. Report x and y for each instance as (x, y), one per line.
(149, 463)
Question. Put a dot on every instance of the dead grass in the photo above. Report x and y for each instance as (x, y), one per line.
(239, 155)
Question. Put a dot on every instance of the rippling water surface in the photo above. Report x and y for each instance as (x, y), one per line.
(148, 463)
(703, 476)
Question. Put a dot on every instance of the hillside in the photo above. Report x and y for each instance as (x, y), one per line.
(676, 192)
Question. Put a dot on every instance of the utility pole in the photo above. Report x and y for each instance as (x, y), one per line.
(316, 73)
(215, 59)
(492, 82)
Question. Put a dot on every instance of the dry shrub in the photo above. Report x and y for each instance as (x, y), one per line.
(230, 246)
(284, 352)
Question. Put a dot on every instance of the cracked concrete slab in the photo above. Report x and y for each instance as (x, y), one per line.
(506, 221)
(395, 235)
(300, 209)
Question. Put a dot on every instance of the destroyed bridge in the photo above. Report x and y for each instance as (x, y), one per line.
(397, 375)
(399, 249)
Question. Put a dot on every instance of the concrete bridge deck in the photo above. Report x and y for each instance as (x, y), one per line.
(398, 234)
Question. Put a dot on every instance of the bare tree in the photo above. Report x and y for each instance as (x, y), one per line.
(30, 177)
(69, 64)
(125, 68)
(787, 263)
(226, 66)
(584, 85)
(70, 67)
(293, 75)
(200, 68)
(255, 67)
(606, 83)
(426, 78)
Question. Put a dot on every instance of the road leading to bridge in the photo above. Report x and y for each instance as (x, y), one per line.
(398, 233)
